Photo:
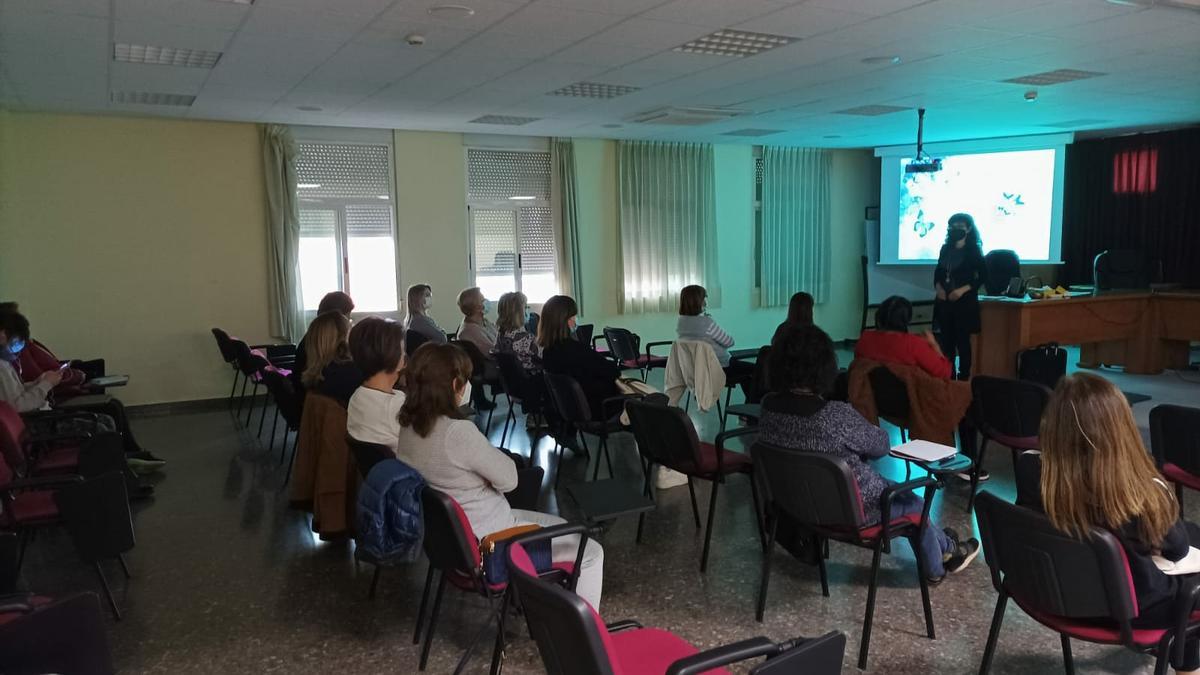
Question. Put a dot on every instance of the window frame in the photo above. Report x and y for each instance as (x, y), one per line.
(513, 206)
(362, 137)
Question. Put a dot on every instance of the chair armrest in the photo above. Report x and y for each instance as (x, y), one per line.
(609, 404)
(723, 655)
(16, 602)
(57, 414)
(562, 530)
(719, 442)
(623, 624)
(889, 494)
(1185, 603)
(40, 482)
(660, 343)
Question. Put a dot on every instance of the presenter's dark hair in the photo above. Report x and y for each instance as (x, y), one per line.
(972, 231)
(894, 314)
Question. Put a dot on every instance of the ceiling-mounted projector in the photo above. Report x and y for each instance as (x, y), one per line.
(922, 163)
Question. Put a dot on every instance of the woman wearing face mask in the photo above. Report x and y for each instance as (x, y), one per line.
(564, 355)
(475, 327)
(420, 300)
(959, 273)
(513, 338)
(453, 456)
(24, 396)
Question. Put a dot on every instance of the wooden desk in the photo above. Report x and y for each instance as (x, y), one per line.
(1143, 331)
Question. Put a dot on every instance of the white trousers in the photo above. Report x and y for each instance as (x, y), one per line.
(563, 549)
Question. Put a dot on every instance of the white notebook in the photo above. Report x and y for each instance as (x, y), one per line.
(924, 451)
(1189, 564)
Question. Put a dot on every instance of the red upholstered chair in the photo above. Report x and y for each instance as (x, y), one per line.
(625, 348)
(572, 639)
(819, 494)
(44, 635)
(1079, 588)
(570, 408)
(666, 437)
(1007, 412)
(1175, 442)
(33, 453)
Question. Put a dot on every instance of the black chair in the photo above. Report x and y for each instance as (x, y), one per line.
(251, 364)
(819, 494)
(413, 341)
(96, 514)
(1007, 412)
(760, 386)
(666, 437)
(1120, 269)
(571, 406)
(1002, 267)
(520, 388)
(287, 406)
(228, 355)
(625, 348)
(366, 456)
(891, 398)
(583, 332)
(483, 372)
(1078, 587)
(1175, 442)
(45, 635)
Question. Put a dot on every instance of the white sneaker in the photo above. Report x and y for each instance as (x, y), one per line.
(665, 478)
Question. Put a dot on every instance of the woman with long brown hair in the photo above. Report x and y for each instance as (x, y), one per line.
(330, 369)
(564, 355)
(1095, 472)
(453, 456)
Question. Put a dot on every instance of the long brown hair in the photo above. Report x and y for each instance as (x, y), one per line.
(1095, 469)
(691, 300)
(325, 342)
(434, 373)
(511, 312)
(552, 327)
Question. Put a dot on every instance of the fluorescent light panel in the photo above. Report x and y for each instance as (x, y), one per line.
(1054, 77)
(165, 56)
(152, 98)
(739, 43)
(504, 120)
(237, 2)
(872, 110)
(594, 90)
(753, 132)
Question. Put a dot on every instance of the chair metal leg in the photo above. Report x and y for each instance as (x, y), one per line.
(725, 415)
(824, 574)
(1068, 660)
(23, 538)
(433, 617)
(424, 605)
(695, 509)
(274, 424)
(924, 584)
(647, 471)
(758, 514)
(509, 418)
(124, 567)
(487, 427)
(374, 582)
(112, 604)
(250, 413)
(558, 451)
(242, 397)
(993, 634)
(766, 570)
(687, 400)
(263, 418)
(498, 650)
(866, 635)
(712, 511)
(607, 458)
(233, 389)
(588, 453)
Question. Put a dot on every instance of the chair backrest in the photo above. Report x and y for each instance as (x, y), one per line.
(891, 394)
(450, 543)
(665, 434)
(1002, 265)
(12, 438)
(8, 562)
(67, 635)
(1175, 436)
(569, 400)
(96, 513)
(1050, 571)
(284, 393)
(367, 454)
(816, 656)
(810, 487)
(225, 345)
(622, 344)
(762, 376)
(247, 361)
(569, 634)
(583, 332)
(1010, 411)
(478, 359)
(413, 341)
(1120, 268)
(512, 374)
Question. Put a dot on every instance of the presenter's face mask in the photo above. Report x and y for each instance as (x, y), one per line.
(958, 233)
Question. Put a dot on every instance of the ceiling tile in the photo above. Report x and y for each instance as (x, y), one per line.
(803, 21)
(538, 19)
(593, 51)
(163, 34)
(356, 7)
(96, 8)
(380, 63)
(486, 13)
(202, 14)
(648, 33)
(492, 44)
(145, 77)
(714, 13)
(437, 38)
(277, 22)
(609, 6)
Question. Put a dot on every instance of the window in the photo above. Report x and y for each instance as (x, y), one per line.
(1135, 171)
(347, 223)
(512, 229)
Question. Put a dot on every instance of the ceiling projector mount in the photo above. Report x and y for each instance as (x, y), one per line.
(922, 162)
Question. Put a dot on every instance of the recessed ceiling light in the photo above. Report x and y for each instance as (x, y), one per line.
(309, 108)
(504, 120)
(882, 59)
(737, 43)
(308, 186)
(152, 98)
(523, 198)
(1054, 77)
(594, 90)
(451, 11)
(165, 56)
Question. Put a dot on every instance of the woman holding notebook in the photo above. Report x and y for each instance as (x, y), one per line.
(797, 415)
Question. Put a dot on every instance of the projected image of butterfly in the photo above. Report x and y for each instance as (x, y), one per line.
(1012, 201)
(922, 226)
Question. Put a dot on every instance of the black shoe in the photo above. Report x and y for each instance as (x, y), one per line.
(934, 581)
(983, 476)
(143, 462)
(962, 556)
(139, 493)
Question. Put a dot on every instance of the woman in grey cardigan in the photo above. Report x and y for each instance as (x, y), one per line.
(420, 299)
(695, 324)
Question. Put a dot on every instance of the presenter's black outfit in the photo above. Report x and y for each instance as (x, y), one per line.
(956, 321)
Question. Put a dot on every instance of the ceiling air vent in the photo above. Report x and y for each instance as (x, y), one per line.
(686, 117)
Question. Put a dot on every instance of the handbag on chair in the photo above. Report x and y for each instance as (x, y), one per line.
(492, 550)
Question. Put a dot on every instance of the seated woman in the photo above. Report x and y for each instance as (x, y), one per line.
(800, 313)
(377, 347)
(798, 416)
(330, 370)
(453, 456)
(475, 328)
(512, 336)
(335, 301)
(891, 342)
(695, 324)
(1094, 471)
(420, 300)
(564, 355)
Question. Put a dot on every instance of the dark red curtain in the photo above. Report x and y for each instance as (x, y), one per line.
(1137, 192)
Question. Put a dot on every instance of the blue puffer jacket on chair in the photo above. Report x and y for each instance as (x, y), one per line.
(388, 523)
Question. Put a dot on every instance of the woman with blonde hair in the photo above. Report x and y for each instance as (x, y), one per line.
(475, 327)
(1094, 471)
(330, 369)
(512, 336)
(420, 300)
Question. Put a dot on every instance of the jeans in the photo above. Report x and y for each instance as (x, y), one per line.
(563, 549)
(933, 541)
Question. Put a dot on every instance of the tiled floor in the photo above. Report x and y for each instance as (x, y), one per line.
(228, 579)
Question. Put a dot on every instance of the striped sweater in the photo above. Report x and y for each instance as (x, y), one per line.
(703, 327)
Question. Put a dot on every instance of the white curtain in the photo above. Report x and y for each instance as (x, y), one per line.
(795, 242)
(285, 300)
(564, 202)
(667, 224)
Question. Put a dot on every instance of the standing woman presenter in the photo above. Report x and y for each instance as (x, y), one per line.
(959, 274)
